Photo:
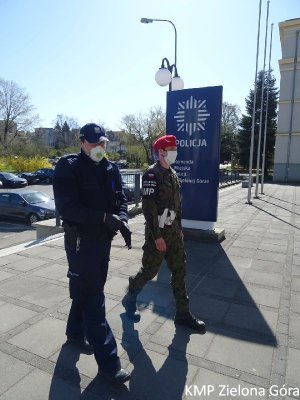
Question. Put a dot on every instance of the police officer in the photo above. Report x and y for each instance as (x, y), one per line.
(88, 196)
(161, 205)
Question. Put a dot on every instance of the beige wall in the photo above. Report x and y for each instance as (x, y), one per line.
(283, 157)
(284, 114)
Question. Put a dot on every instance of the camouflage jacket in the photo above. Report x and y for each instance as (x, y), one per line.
(161, 189)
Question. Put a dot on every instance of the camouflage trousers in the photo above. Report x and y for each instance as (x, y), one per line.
(176, 260)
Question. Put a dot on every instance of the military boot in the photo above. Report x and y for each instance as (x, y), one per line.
(129, 303)
(188, 319)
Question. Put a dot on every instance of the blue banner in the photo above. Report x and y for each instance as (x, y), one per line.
(194, 117)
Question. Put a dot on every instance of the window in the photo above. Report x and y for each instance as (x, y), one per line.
(16, 199)
(4, 198)
(36, 197)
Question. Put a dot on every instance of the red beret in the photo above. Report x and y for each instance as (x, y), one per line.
(165, 141)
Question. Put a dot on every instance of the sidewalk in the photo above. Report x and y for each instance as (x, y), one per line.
(247, 289)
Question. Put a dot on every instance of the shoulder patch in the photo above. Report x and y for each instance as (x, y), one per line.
(149, 185)
(151, 176)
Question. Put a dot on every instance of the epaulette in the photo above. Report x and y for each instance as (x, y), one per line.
(70, 158)
(150, 168)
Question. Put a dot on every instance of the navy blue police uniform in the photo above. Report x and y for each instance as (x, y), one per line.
(84, 191)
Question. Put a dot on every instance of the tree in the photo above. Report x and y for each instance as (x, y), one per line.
(136, 156)
(58, 135)
(66, 131)
(16, 112)
(244, 135)
(71, 121)
(146, 128)
(229, 128)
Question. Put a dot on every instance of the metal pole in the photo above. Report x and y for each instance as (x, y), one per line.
(253, 114)
(175, 56)
(147, 20)
(57, 216)
(137, 189)
(261, 106)
(287, 170)
(167, 20)
(266, 117)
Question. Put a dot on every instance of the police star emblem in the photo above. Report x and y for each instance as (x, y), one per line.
(191, 115)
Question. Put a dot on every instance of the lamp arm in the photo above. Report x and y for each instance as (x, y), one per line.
(170, 67)
(165, 60)
(167, 20)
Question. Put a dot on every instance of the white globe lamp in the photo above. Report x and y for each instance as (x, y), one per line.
(163, 77)
(177, 83)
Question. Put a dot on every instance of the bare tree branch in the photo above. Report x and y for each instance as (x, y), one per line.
(146, 128)
(16, 112)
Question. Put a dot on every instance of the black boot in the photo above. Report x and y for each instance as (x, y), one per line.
(119, 377)
(187, 319)
(129, 303)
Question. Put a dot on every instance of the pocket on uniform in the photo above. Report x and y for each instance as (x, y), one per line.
(70, 243)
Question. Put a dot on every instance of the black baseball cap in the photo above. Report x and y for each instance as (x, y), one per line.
(93, 133)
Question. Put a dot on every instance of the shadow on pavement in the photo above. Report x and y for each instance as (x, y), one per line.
(160, 377)
(278, 206)
(8, 225)
(275, 216)
(278, 198)
(231, 308)
(66, 381)
(218, 295)
(66, 370)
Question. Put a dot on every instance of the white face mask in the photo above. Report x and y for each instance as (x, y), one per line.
(170, 158)
(97, 153)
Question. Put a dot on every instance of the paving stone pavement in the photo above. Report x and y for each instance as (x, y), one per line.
(246, 288)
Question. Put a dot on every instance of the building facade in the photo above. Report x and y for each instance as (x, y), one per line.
(58, 139)
(287, 145)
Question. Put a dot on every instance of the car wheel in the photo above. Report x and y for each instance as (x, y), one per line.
(32, 218)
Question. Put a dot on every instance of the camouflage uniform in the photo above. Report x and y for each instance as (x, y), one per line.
(161, 190)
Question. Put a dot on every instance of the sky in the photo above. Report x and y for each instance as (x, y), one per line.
(94, 61)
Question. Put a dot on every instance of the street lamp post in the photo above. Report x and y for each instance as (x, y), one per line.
(164, 76)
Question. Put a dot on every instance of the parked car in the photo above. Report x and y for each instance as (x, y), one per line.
(26, 204)
(31, 177)
(45, 175)
(10, 180)
(1, 184)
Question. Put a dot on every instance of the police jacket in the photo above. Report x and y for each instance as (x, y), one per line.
(85, 190)
(161, 189)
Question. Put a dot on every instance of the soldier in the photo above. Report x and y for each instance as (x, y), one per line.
(88, 195)
(161, 205)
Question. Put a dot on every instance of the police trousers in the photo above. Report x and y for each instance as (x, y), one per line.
(176, 260)
(88, 267)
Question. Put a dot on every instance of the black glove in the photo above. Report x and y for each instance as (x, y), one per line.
(126, 233)
(113, 222)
